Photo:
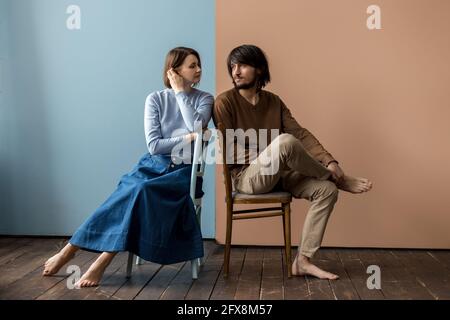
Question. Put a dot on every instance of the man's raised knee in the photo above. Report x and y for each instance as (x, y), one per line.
(331, 189)
(328, 189)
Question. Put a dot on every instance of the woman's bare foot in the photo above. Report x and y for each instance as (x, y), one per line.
(354, 184)
(95, 272)
(55, 263)
(302, 267)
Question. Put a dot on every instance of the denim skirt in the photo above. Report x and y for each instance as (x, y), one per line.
(150, 214)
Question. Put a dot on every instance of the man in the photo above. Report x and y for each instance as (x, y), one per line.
(304, 167)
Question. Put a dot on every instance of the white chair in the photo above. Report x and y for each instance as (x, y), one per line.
(198, 170)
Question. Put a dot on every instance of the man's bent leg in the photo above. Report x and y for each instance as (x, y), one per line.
(285, 152)
(253, 182)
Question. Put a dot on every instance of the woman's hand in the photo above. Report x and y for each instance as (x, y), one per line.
(336, 171)
(190, 137)
(176, 81)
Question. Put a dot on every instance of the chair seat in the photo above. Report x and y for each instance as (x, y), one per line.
(271, 197)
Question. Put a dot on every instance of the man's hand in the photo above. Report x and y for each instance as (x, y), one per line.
(336, 171)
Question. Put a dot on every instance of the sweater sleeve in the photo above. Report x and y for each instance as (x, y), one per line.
(310, 143)
(156, 144)
(191, 113)
(222, 113)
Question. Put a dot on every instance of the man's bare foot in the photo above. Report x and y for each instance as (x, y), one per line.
(303, 267)
(354, 184)
(95, 272)
(55, 263)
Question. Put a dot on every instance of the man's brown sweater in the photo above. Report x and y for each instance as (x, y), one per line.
(235, 112)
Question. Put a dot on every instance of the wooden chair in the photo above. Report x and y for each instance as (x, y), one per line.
(232, 198)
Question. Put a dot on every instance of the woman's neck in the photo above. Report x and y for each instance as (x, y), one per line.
(187, 89)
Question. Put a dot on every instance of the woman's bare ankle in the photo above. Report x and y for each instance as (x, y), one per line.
(69, 251)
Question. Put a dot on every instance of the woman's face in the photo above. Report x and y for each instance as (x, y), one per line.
(190, 70)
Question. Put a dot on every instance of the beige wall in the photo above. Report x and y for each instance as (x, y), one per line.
(379, 101)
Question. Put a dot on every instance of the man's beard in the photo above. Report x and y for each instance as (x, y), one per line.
(245, 86)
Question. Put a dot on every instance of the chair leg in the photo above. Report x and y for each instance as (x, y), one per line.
(287, 237)
(284, 225)
(130, 264)
(138, 261)
(194, 268)
(198, 213)
(226, 262)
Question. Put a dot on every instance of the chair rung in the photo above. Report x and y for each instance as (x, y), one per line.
(257, 210)
(262, 215)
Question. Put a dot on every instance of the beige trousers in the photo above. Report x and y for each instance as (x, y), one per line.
(302, 176)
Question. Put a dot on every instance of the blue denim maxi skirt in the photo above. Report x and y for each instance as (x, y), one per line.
(149, 214)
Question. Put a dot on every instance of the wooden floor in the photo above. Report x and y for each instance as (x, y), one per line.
(256, 273)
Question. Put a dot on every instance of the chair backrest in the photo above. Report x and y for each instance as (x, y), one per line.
(226, 170)
(198, 160)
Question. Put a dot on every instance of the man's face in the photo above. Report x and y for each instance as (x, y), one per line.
(244, 76)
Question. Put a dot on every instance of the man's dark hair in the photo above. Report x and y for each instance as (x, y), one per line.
(253, 56)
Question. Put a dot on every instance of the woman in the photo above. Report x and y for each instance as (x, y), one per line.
(150, 213)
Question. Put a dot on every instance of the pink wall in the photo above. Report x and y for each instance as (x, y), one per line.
(378, 100)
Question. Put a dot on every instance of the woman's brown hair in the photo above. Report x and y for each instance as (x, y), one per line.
(175, 58)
